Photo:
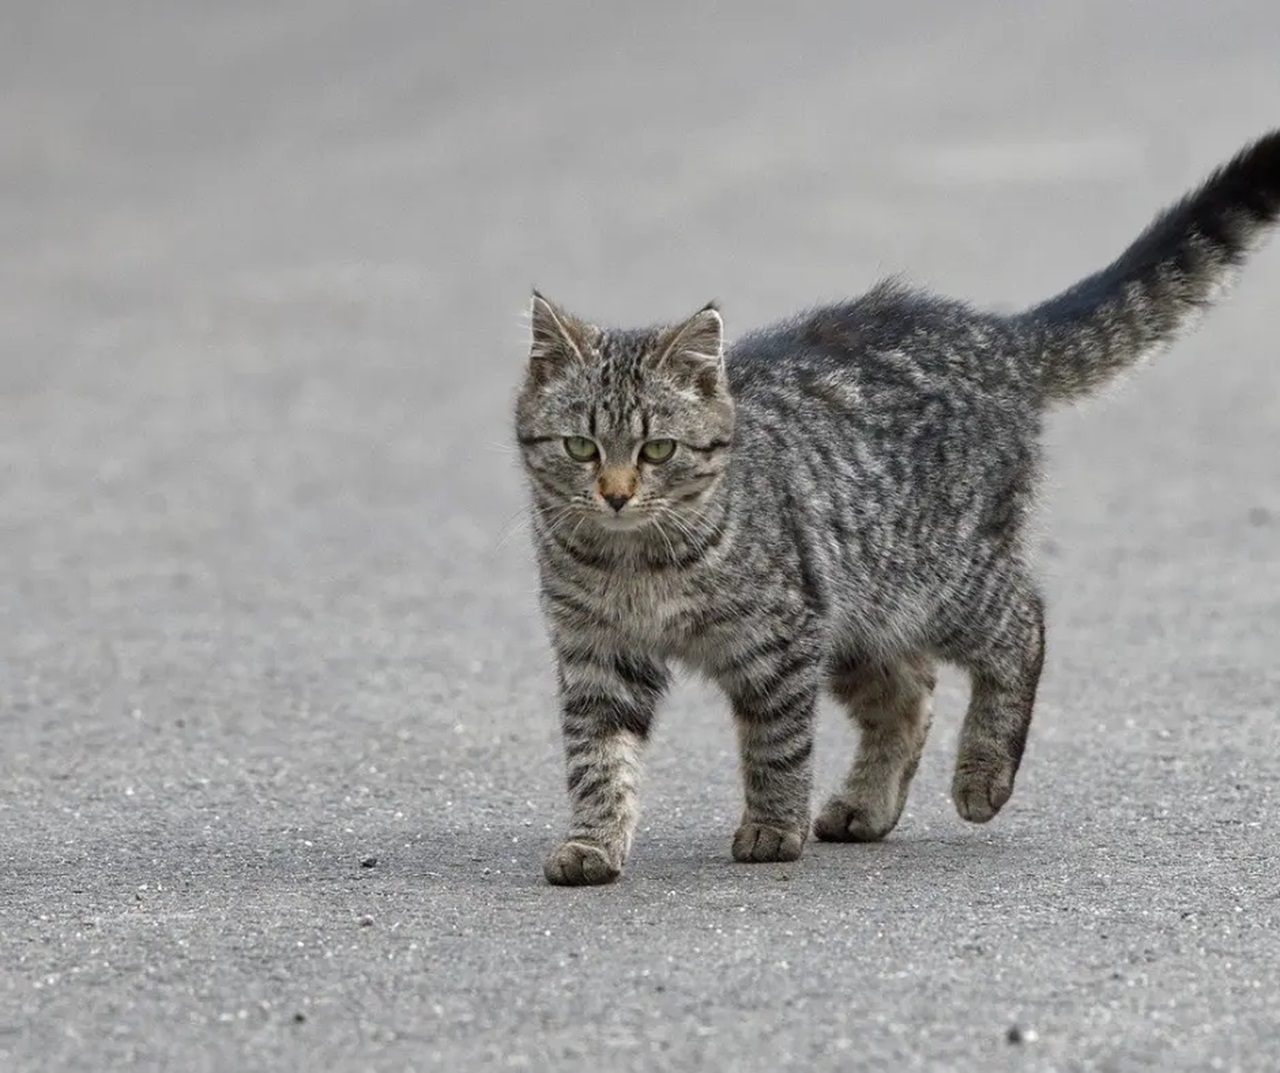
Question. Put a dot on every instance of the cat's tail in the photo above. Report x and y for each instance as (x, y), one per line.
(1155, 291)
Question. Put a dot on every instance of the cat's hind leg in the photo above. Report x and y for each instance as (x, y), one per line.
(891, 704)
(1004, 667)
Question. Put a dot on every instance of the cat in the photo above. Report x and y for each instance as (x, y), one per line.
(838, 500)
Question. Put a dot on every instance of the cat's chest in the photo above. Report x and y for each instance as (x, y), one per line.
(656, 612)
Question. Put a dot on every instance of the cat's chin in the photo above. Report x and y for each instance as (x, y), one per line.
(623, 523)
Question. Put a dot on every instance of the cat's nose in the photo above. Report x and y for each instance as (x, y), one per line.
(616, 501)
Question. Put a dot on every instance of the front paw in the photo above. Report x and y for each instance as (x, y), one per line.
(580, 864)
(760, 843)
(852, 821)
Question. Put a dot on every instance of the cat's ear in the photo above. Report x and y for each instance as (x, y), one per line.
(557, 339)
(693, 351)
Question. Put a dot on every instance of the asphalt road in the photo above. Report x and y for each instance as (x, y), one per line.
(267, 609)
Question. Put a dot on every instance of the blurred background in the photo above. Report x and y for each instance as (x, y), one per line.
(266, 599)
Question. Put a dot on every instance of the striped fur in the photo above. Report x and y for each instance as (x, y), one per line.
(844, 505)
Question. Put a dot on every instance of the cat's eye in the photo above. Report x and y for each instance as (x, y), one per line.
(581, 449)
(658, 451)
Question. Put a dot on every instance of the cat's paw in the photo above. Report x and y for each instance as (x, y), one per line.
(981, 787)
(847, 821)
(579, 864)
(759, 843)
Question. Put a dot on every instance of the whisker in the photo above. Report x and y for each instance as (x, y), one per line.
(573, 535)
(682, 524)
(657, 524)
(523, 518)
(505, 529)
(519, 524)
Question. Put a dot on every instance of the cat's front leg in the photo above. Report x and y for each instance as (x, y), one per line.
(773, 685)
(608, 700)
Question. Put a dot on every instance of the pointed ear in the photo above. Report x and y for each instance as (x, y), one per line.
(557, 339)
(694, 351)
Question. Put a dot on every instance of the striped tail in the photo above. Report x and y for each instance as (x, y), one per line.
(1156, 290)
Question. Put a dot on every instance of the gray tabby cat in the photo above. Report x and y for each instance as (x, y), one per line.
(840, 499)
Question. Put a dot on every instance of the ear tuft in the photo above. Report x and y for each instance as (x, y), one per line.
(556, 338)
(694, 350)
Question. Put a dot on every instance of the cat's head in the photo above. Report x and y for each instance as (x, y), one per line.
(624, 429)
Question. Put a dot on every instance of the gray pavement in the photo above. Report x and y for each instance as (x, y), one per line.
(267, 608)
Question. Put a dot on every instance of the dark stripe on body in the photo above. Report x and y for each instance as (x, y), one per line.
(769, 697)
(574, 603)
(641, 674)
(580, 555)
(695, 554)
(587, 705)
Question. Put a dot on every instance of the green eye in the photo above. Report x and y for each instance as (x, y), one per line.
(657, 451)
(581, 449)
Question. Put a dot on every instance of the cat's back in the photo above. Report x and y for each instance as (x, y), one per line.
(900, 398)
(892, 341)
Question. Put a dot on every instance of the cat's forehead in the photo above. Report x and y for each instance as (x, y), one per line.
(621, 375)
(618, 392)
(620, 358)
